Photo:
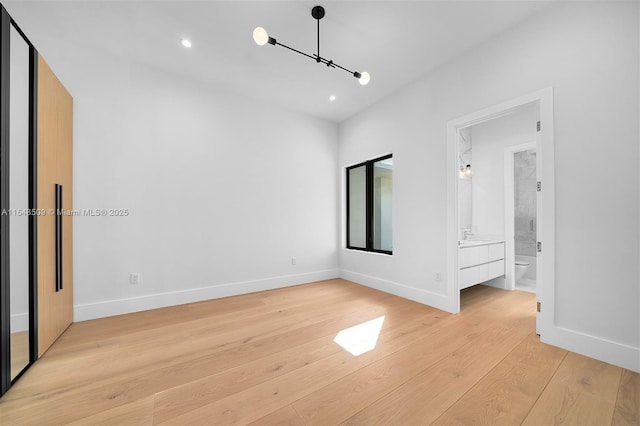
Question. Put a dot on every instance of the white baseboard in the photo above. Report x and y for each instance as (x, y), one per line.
(109, 308)
(611, 352)
(435, 300)
(604, 350)
(594, 347)
(19, 322)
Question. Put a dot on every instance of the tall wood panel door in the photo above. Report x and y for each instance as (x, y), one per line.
(55, 190)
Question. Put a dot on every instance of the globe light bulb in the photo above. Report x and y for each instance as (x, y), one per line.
(260, 36)
(364, 78)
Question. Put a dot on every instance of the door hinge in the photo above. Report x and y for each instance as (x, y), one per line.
(538, 126)
(539, 246)
(539, 186)
(538, 306)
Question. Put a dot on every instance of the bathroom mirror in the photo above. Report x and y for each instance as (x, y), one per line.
(19, 202)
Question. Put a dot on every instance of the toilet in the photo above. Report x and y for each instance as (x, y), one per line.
(521, 269)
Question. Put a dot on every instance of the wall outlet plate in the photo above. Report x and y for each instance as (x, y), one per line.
(134, 278)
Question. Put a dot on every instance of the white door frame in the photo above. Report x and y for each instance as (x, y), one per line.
(546, 221)
(509, 206)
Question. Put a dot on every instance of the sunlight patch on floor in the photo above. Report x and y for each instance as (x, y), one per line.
(360, 338)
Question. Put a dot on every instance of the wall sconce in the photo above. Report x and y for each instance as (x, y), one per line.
(465, 172)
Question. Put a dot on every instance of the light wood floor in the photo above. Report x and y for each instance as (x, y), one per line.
(270, 358)
(19, 352)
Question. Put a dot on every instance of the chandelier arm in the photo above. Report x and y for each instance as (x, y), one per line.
(295, 50)
(343, 68)
(321, 60)
(331, 63)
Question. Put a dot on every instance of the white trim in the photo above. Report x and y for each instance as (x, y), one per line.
(109, 308)
(546, 225)
(509, 206)
(422, 296)
(19, 322)
(546, 222)
(453, 292)
(605, 350)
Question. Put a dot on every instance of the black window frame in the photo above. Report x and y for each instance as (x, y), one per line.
(369, 186)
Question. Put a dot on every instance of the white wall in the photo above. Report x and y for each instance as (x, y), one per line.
(222, 192)
(589, 54)
(489, 139)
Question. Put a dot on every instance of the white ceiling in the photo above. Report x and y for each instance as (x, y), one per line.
(395, 41)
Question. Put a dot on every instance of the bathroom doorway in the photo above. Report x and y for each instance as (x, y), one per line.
(541, 144)
(489, 153)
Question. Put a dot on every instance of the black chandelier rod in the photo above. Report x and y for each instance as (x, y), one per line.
(317, 58)
(318, 21)
(277, 43)
(317, 13)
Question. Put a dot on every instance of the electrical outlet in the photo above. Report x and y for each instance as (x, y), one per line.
(438, 277)
(134, 278)
(293, 261)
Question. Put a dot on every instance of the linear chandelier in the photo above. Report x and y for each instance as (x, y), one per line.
(261, 37)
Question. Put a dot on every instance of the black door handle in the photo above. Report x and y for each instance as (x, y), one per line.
(58, 237)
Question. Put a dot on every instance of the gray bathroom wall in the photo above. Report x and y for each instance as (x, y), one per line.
(524, 173)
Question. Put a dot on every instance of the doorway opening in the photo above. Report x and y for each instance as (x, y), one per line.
(492, 216)
(496, 196)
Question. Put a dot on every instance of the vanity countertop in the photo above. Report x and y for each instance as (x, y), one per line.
(475, 243)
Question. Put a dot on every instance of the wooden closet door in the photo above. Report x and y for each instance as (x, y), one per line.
(55, 160)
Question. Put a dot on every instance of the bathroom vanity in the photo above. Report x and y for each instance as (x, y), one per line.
(479, 261)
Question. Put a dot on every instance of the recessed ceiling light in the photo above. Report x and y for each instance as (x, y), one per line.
(185, 42)
(332, 98)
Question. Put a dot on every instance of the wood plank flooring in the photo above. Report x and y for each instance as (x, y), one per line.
(270, 358)
(19, 352)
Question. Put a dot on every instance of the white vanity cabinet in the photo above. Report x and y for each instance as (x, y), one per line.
(480, 262)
